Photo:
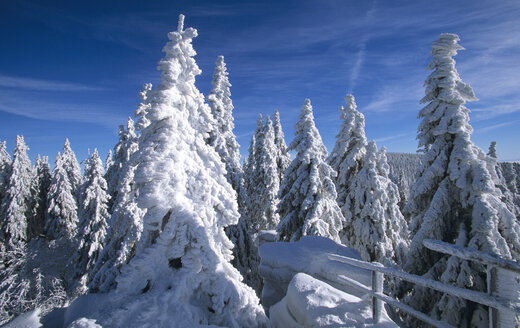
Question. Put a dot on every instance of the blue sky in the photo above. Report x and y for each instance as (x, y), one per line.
(74, 68)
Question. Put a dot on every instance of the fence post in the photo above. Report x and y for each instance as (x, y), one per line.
(377, 287)
(491, 289)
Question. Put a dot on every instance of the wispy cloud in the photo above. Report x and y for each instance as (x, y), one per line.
(495, 126)
(42, 85)
(393, 137)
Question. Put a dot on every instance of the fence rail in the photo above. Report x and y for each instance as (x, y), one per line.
(505, 311)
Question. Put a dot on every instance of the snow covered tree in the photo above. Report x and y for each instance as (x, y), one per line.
(16, 205)
(455, 198)
(307, 195)
(126, 145)
(143, 107)
(71, 166)
(93, 216)
(264, 182)
(493, 149)
(375, 226)
(182, 259)
(39, 190)
(349, 151)
(109, 161)
(222, 138)
(5, 170)
(283, 159)
(62, 211)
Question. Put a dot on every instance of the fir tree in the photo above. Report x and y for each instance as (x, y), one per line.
(125, 147)
(182, 259)
(283, 159)
(143, 107)
(307, 194)
(222, 137)
(349, 152)
(493, 149)
(93, 215)
(5, 170)
(375, 227)
(454, 199)
(16, 205)
(62, 215)
(39, 190)
(109, 161)
(71, 166)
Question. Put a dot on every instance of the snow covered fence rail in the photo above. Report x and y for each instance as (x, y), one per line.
(503, 305)
(502, 278)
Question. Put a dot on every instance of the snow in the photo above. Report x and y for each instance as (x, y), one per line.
(29, 319)
(312, 303)
(280, 261)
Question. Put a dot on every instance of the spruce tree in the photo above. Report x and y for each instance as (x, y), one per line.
(222, 138)
(283, 159)
(454, 199)
(182, 259)
(93, 216)
(16, 205)
(109, 161)
(376, 227)
(71, 166)
(348, 155)
(39, 190)
(307, 195)
(5, 170)
(62, 211)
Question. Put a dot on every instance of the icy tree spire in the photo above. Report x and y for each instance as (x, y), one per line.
(454, 198)
(109, 161)
(222, 137)
(283, 159)
(376, 227)
(349, 151)
(71, 166)
(39, 190)
(16, 205)
(93, 216)
(62, 211)
(307, 194)
(493, 149)
(143, 107)
(182, 259)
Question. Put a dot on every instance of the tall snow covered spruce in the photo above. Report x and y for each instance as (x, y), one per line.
(307, 195)
(93, 215)
(348, 154)
(222, 138)
(182, 259)
(39, 190)
(375, 226)
(62, 211)
(71, 166)
(454, 199)
(16, 205)
(283, 159)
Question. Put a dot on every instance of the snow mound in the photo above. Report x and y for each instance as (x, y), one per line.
(312, 303)
(29, 319)
(281, 261)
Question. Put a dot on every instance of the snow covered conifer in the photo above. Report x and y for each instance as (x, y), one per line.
(16, 205)
(39, 190)
(125, 147)
(109, 160)
(375, 227)
(264, 183)
(143, 107)
(5, 170)
(93, 215)
(62, 211)
(307, 195)
(349, 151)
(71, 166)
(181, 263)
(283, 159)
(222, 138)
(454, 198)
(493, 149)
